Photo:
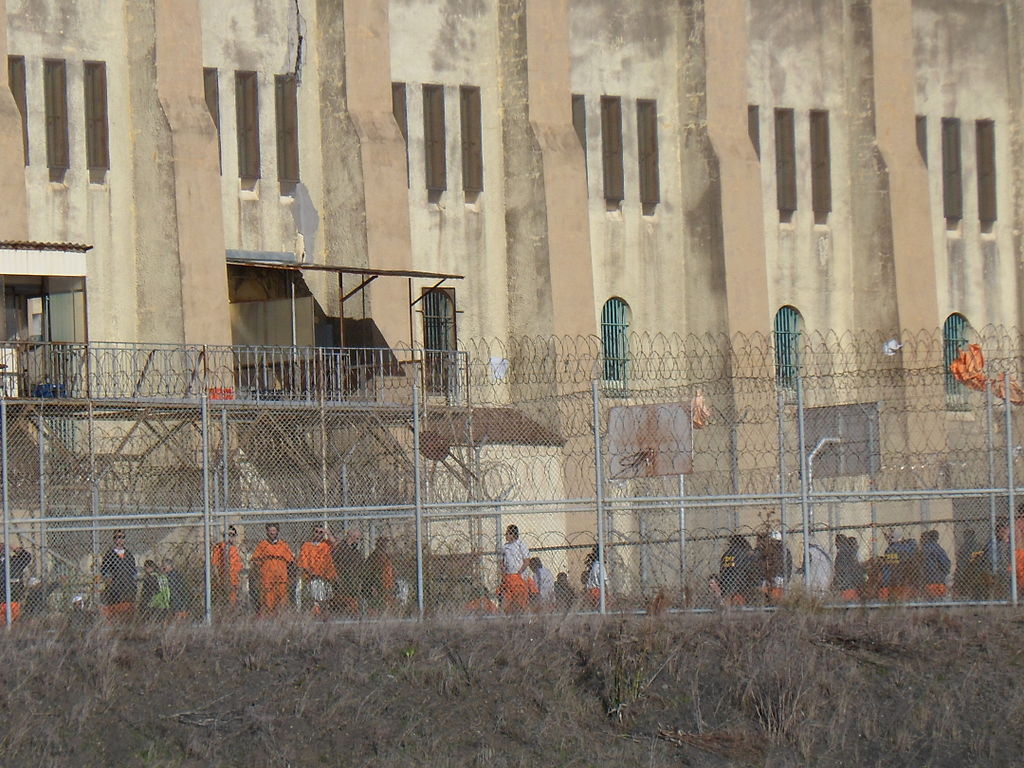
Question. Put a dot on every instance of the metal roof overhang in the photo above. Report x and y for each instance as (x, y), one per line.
(368, 274)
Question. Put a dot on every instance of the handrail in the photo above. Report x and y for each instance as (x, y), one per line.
(122, 370)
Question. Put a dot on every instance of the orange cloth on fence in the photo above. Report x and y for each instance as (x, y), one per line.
(15, 611)
(969, 368)
(736, 600)
(594, 597)
(849, 595)
(999, 389)
(272, 560)
(935, 590)
(513, 592)
(1019, 561)
(316, 559)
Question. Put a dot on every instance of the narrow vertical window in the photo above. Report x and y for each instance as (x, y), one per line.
(615, 319)
(55, 97)
(647, 150)
(954, 339)
(472, 148)
(439, 339)
(16, 78)
(922, 138)
(611, 149)
(97, 144)
(211, 90)
(579, 124)
(247, 113)
(986, 151)
(754, 128)
(286, 102)
(821, 166)
(434, 141)
(788, 329)
(399, 108)
(785, 163)
(952, 173)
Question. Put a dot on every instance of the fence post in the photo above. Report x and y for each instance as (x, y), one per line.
(207, 565)
(682, 534)
(94, 492)
(1010, 482)
(805, 502)
(991, 448)
(42, 492)
(418, 497)
(780, 406)
(599, 496)
(7, 511)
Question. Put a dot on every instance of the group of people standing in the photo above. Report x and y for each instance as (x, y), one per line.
(329, 574)
(909, 569)
(526, 583)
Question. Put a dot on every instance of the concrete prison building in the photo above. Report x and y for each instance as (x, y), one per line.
(418, 174)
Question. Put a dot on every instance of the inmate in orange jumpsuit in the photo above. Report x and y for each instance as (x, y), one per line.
(226, 570)
(316, 559)
(272, 559)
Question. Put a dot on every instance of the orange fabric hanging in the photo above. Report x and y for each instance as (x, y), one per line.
(969, 368)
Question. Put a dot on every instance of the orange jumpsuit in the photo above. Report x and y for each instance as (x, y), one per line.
(272, 560)
(315, 558)
(226, 570)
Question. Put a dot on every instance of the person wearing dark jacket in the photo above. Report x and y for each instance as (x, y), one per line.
(849, 575)
(935, 565)
(900, 568)
(738, 572)
(119, 572)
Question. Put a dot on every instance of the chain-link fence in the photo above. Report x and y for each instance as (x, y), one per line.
(854, 470)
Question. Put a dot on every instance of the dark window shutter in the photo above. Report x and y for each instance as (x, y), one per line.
(754, 128)
(647, 150)
(472, 149)
(16, 78)
(434, 138)
(921, 125)
(211, 90)
(97, 145)
(611, 150)
(399, 108)
(247, 115)
(55, 96)
(952, 175)
(287, 111)
(986, 151)
(821, 163)
(785, 160)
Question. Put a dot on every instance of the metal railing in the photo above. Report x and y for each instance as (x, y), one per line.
(118, 371)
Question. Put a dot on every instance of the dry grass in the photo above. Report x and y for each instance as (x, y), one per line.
(790, 689)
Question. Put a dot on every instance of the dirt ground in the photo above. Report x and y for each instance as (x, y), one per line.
(794, 688)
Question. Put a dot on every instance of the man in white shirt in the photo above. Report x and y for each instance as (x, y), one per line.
(544, 578)
(515, 557)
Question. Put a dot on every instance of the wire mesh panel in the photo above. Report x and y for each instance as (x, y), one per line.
(318, 494)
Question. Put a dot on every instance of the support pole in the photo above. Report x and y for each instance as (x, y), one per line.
(207, 539)
(7, 512)
(1010, 482)
(805, 502)
(599, 494)
(418, 493)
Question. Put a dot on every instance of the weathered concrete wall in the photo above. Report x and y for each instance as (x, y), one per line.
(454, 43)
(14, 223)
(633, 51)
(961, 53)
